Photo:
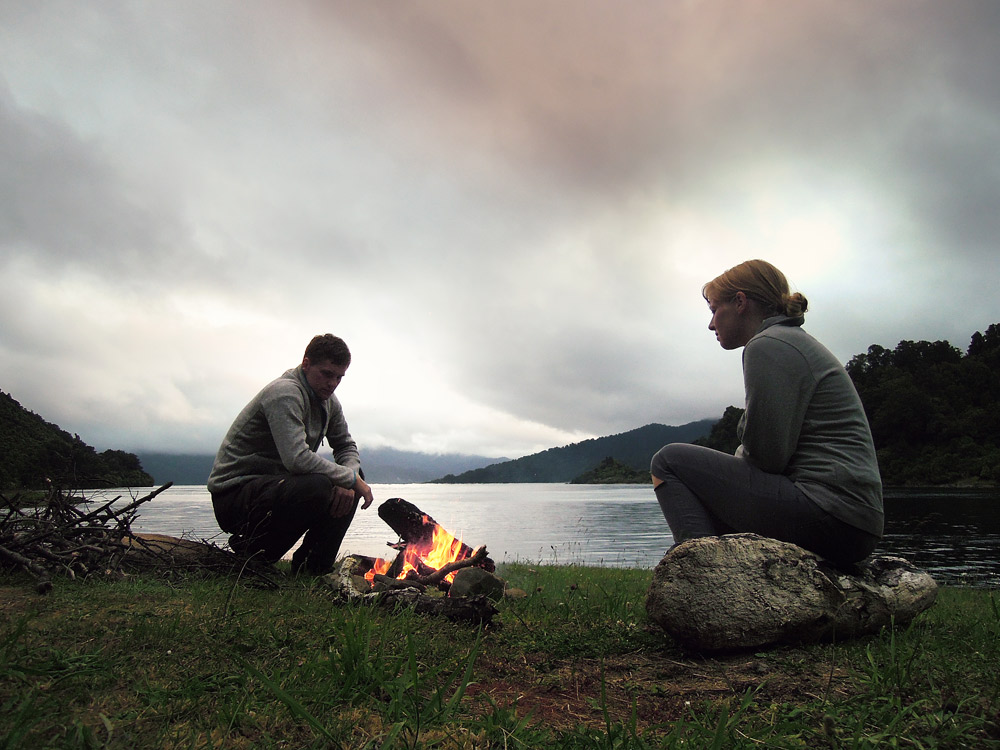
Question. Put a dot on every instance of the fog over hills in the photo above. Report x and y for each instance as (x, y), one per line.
(381, 466)
(393, 466)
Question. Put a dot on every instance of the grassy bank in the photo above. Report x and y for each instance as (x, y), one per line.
(146, 663)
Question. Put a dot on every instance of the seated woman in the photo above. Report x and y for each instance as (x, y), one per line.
(805, 471)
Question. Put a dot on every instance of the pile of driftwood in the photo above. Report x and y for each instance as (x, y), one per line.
(63, 534)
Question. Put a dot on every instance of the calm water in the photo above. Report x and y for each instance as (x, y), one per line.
(955, 535)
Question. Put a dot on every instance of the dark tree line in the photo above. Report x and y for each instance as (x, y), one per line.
(613, 471)
(35, 454)
(934, 410)
(723, 434)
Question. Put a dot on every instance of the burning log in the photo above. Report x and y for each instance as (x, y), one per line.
(381, 581)
(406, 519)
(478, 559)
(420, 534)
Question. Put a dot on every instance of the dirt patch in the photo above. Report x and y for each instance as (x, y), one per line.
(573, 692)
(19, 601)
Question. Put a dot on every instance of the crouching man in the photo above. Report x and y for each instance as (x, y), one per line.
(269, 485)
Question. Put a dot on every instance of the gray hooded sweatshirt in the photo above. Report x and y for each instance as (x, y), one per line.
(804, 419)
(280, 432)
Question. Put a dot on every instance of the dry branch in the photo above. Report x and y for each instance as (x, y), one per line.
(58, 537)
(439, 575)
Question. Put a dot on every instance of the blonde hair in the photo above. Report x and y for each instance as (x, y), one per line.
(761, 282)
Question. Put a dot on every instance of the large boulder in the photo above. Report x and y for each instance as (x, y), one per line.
(745, 591)
(475, 581)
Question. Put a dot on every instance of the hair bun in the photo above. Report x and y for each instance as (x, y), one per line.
(795, 304)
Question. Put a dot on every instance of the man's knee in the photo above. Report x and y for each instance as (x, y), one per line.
(313, 487)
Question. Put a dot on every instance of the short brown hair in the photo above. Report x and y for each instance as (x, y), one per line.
(328, 348)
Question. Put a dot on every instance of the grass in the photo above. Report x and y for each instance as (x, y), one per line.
(573, 664)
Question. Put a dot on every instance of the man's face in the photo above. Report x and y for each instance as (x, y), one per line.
(323, 377)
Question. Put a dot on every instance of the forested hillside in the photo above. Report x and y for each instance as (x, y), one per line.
(35, 452)
(723, 435)
(633, 448)
(934, 411)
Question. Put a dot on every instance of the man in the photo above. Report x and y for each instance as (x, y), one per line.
(269, 486)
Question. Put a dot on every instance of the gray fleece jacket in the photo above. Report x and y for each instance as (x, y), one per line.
(280, 432)
(805, 419)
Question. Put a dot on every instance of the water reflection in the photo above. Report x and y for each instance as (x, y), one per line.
(953, 534)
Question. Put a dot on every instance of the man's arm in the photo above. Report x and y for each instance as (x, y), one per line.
(362, 490)
(345, 451)
(286, 413)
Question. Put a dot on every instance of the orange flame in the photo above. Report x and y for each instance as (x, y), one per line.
(442, 549)
(381, 567)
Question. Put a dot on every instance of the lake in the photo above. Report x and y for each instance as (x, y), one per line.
(952, 534)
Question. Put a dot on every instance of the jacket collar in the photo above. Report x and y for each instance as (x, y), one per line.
(781, 320)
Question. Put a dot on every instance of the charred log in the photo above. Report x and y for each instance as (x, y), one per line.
(411, 524)
(381, 582)
(417, 528)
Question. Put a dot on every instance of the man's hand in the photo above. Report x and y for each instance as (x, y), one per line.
(363, 490)
(342, 502)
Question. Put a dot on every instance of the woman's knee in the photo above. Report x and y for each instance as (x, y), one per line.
(663, 461)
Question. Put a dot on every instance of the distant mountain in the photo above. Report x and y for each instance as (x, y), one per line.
(35, 453)
(392, 466)
(179, 468)
(381, 465)
(633, 449)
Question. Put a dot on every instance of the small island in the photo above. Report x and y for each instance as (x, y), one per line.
(612, 471)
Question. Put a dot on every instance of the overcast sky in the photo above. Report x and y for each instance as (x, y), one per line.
(507, 209)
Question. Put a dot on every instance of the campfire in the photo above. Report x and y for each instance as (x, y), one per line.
(426, 552)
(427, 555)
(420, 559)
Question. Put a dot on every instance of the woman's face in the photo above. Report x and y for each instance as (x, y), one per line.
(728, 320)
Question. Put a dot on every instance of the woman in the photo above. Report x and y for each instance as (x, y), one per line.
(805, 471)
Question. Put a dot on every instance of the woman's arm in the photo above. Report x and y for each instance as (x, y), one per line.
(779, 386)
